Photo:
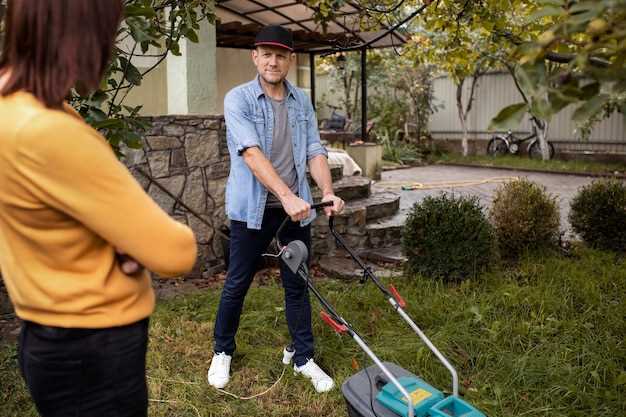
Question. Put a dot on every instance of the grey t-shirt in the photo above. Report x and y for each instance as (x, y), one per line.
(282, 148)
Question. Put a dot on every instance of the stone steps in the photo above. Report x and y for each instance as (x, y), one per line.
(388, 255)
(386, 231)
(377, 205)
(336, 173)
(352, 222)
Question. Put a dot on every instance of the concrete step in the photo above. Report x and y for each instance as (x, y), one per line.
(345, 268)
(349, 188)
(386, 232)
(389, 255)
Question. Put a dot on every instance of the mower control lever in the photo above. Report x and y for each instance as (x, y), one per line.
(397, 296)
(339, 328)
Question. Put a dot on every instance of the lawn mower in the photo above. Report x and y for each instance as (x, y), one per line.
(396, 391)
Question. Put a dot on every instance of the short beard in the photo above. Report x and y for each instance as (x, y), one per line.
(273, 82)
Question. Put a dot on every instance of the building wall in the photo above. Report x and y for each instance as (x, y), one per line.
(152, 93)
(235, 66)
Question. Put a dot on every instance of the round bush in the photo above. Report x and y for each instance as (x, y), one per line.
(598, 215)
(448, 237)
(525, 218)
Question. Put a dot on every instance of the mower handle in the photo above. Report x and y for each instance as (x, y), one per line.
(315, 206)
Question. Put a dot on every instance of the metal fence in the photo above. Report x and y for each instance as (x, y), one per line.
(497, 90)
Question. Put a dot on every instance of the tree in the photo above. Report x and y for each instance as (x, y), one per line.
(463, 58)
(588, 41)
(399, 77)
(344, 72)
(151, 28)
(470, 39)
(562, 52)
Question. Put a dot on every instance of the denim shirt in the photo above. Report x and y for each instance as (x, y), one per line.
(250, 122)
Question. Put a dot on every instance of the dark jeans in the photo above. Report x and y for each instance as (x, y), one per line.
(246, 247)
(86, 372)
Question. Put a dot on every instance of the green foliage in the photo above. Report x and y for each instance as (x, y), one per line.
(525, 218)
(509, 117)
(598, 215)
(344, 72)
(554, 165)
(401, 91)
(448, 237)
(561, 53)
(589, 39)
(395, 150)
(153, 28)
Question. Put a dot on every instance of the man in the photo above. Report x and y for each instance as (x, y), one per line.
(272, 136)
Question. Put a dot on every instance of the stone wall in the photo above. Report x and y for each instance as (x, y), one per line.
(188, 156)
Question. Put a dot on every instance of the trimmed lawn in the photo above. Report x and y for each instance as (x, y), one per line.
(523, 162)
(544, 338)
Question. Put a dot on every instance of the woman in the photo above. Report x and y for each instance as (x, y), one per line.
(68, 208)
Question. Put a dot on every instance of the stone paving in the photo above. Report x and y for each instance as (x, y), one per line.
(564, 187)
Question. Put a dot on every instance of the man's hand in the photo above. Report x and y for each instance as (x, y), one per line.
(337, 206)
(128, 265)
(295, 207)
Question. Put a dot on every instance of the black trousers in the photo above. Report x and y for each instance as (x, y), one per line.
(246, 247)
(86, 372)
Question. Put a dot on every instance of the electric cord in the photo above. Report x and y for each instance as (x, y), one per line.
(250, 397)
(300, 312)
(371, 391)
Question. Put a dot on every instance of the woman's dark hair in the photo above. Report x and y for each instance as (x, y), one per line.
(51, 45)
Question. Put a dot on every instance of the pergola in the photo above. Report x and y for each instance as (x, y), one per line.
(240, 20)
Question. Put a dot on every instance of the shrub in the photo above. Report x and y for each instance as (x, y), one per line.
(448, 237)
(598, 215)
(525, 218)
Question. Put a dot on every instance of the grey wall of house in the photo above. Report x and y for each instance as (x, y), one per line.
(496, 91)
(188, 156)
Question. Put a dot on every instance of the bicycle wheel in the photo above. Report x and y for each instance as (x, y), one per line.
(534, 150)
(497, 147)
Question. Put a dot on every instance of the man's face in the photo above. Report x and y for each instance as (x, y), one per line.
(272, 63)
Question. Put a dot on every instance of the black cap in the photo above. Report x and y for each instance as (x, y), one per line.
(274, 36)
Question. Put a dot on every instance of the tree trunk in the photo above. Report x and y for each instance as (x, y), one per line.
(347, 90)
(541, 127)
(462, 116)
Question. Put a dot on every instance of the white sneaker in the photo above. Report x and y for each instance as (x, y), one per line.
(321, 381)
(219, 372)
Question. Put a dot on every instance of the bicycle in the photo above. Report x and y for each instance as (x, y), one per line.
(508, 143)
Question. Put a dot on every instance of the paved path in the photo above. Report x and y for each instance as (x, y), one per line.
(564, 187)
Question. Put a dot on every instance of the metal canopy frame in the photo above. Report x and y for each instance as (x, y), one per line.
(248, 16)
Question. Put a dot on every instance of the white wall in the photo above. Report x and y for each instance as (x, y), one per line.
(496, 91)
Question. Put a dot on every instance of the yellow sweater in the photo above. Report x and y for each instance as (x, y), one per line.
(66, 203)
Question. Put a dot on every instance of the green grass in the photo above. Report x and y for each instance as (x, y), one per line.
(545, 338)
(522, 162)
